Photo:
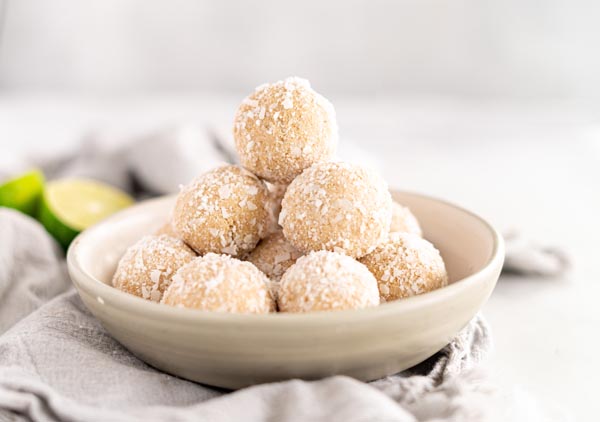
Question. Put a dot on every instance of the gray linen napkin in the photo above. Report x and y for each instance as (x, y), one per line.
(59, 364)
(32, 269)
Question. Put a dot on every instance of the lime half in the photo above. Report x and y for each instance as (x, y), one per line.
(23, 192)
(70, 206)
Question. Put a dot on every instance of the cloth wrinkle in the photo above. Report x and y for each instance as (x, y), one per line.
(58, 364)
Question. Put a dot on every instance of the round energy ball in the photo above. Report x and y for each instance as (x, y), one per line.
(146, 269)
(223, 211)
(404, 221)
(220, 283)
(406, 265)
(168, 229)
(274, 255)
(283, 128)
(336, 207)
(327, 281)
(276, 192)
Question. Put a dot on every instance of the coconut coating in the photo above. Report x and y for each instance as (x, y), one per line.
(223, 211)
(146, 269)
(168, 229)
(220, 283)
(406, 265)
(274, 255)
(283, 128)
(403, 220)
(327, 281)
(337, 207)
(276, 192)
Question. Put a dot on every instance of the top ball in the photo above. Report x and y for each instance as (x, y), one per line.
(283, 128)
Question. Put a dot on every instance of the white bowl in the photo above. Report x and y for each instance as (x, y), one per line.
(234, 351)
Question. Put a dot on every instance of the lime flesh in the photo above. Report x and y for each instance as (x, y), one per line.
(70, 206)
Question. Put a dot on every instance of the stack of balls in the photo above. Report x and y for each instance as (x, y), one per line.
(288, 229)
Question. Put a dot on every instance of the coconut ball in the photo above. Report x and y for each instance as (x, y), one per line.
(146, 269)
(274, 255)
(222, 211)
(283, 128)
(406, 265)
(276, 192)
(327, 281)
(220, 283)
(337, 207)
(168, 229)
(403, 220)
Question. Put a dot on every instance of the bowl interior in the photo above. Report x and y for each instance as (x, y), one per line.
(466, 242)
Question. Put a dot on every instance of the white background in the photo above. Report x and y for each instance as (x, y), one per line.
(494, 105)
(497, 48)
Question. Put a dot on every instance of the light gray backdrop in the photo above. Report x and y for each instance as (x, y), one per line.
(483, 48)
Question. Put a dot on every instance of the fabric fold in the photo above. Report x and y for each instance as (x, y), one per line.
(57, 363)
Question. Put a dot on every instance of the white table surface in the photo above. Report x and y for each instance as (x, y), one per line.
(535, 168)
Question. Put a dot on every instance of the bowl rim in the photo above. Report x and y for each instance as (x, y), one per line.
(148, 309)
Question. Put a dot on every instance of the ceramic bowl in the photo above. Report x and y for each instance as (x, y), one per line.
(234, 351)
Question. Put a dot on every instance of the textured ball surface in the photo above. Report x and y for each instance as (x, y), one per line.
(406, 265)
(337, 207)
(404, 221)
(327, 281)
(276, 192)
(146, 269)
(168, 229)
(223, 211)
(220, 283)
(274, 255)
(283, 128)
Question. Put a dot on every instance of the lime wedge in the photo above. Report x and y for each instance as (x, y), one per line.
(69, 206)
(23, 192)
